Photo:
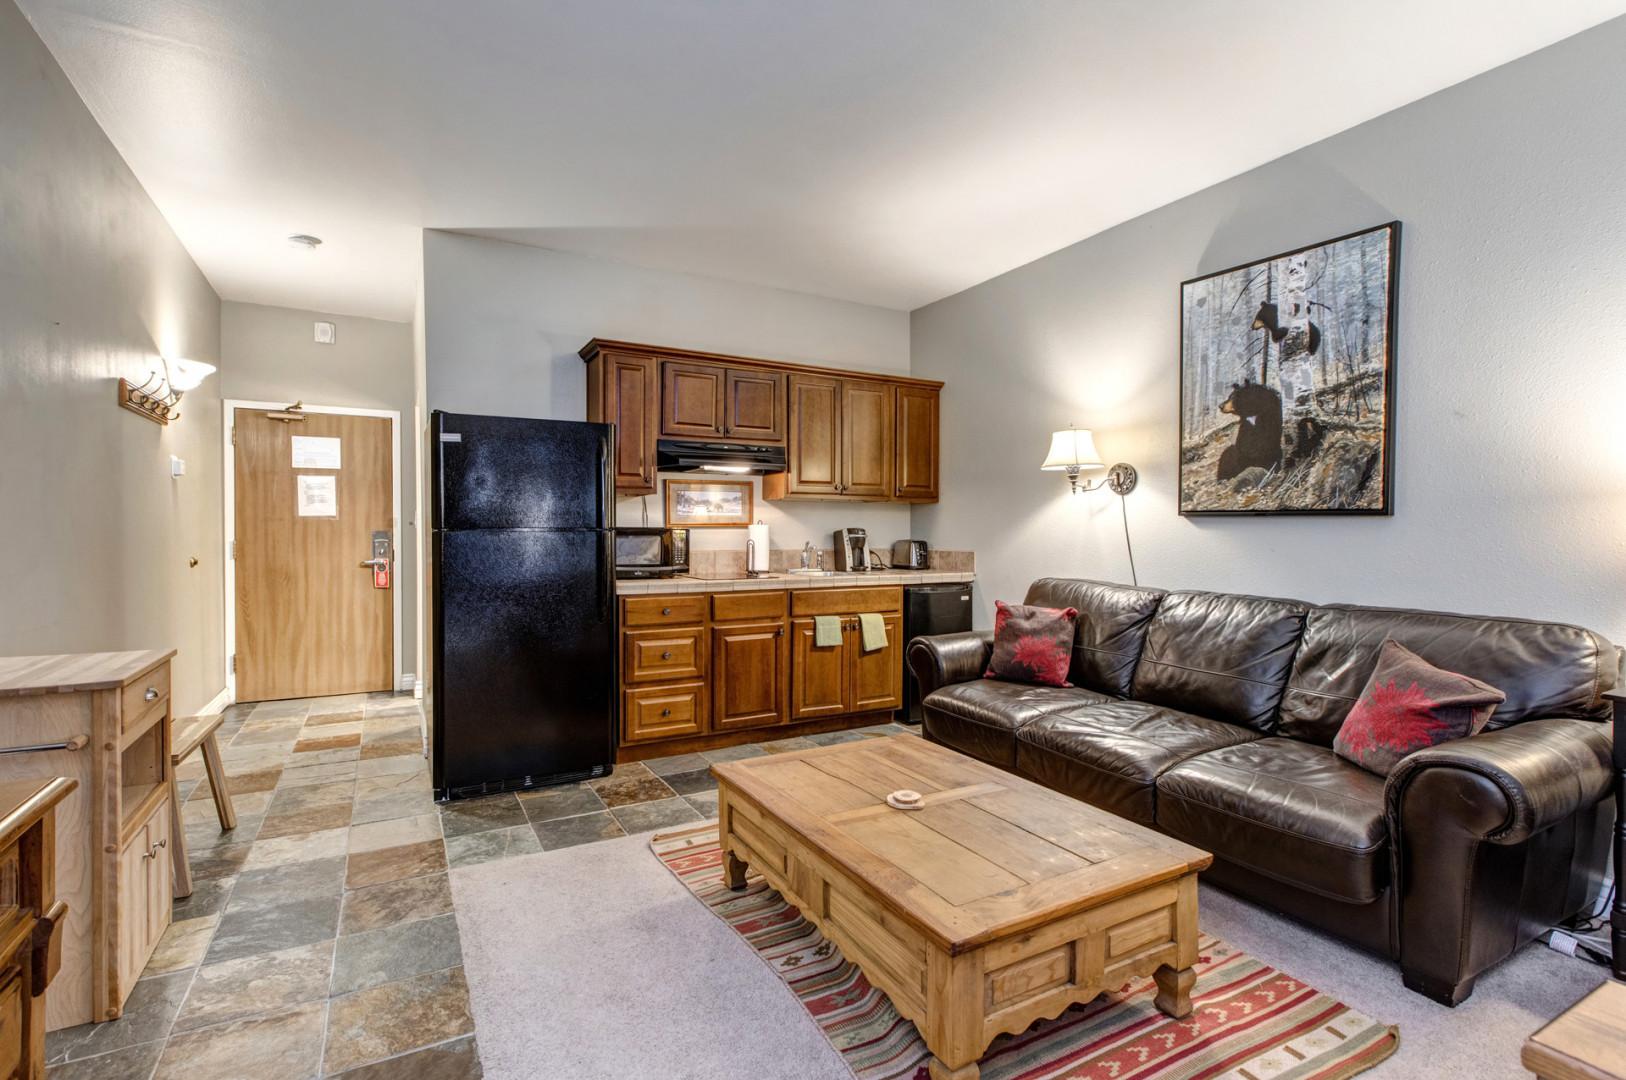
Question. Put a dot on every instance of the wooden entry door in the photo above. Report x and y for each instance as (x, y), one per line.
(310, 619)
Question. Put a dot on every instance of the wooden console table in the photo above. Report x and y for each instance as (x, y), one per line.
(31, 919)
(102, 719)
(1586, 1042)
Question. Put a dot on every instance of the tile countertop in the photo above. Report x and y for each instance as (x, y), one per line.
(687, 584)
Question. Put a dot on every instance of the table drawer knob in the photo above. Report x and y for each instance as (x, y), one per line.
(151, 694)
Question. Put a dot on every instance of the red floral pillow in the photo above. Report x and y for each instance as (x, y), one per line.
(1032, 644)
(1409, 704)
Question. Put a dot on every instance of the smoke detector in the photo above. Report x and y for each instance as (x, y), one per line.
(305, 240)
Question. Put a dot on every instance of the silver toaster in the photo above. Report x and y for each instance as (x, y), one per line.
(909, 555)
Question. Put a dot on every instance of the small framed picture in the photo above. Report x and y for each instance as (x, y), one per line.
(709, 504)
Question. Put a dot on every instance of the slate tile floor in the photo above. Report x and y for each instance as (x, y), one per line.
(321, 936)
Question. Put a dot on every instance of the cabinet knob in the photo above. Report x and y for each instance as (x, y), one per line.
(666, 712)
(151, 694)
(666, 611)
(667, 655)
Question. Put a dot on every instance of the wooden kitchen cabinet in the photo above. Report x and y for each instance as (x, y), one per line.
(866, 440)
(710, 401)
(915, 444)
(877, 677)
(818, 681)
(813, 452)
(624, 389)
(754, 406)
(750, 669)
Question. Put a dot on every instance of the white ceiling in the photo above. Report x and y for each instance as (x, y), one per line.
(885, 151)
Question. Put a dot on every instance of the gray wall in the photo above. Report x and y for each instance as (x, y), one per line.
(271, 355)
(1510, 480)
(94, 286)
(504, 323)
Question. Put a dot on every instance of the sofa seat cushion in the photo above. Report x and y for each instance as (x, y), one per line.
(1111, 754)
(1290, 810)
(982, 717)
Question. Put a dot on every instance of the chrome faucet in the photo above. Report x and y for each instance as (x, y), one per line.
(807, 555)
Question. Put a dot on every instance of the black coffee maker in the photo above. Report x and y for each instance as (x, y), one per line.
(852, 549)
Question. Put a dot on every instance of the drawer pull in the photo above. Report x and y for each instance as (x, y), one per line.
(666, 712)
(666, 611)
(667, 655)
(151, 694)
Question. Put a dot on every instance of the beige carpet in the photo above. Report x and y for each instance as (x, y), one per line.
(594, 962)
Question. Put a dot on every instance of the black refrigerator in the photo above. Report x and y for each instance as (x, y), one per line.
(523, 587)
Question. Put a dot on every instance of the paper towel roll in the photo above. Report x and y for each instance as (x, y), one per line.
(758, 535)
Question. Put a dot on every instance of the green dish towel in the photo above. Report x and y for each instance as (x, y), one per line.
(874, 628)
(826, 630)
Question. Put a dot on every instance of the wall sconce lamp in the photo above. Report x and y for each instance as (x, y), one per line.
(156, 398)
(1073, 451)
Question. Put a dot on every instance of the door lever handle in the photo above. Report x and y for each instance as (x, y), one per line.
(375, 564)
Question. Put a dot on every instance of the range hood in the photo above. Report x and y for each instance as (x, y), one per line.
(682, 455)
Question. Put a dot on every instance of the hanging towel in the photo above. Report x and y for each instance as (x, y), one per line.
(826, 630)
(874, 628)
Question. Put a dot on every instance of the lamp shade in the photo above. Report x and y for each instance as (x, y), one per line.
(187, 375)
(1072, 449)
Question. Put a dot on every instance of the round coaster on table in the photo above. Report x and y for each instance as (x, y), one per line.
(904, 799)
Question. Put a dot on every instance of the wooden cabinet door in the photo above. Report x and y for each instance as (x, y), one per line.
(691, 400)
(814, 454)
(818, 675)
(160, 877)
(134, 914)
(754, 406)
(749, 663)
(877, 677)
(632, 404)
(915, 468)
(866, 440)
(664, 712)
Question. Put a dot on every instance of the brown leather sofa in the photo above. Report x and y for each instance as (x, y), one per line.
(1211, 717)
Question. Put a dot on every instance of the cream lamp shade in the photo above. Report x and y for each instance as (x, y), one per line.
(1072, 451)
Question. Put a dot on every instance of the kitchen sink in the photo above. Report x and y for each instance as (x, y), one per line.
(814, 573)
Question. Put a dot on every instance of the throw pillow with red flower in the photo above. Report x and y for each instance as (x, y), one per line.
(1409, 704)
(1032, 644)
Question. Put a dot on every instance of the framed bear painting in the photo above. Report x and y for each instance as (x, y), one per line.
(1287, 381)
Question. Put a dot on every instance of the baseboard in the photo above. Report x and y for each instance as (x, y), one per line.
(217, 704)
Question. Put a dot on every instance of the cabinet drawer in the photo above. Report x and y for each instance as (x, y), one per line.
(748, 605)
(144, 694)
(662, 610)
(664, 712)
(661, 655)
(846, 601)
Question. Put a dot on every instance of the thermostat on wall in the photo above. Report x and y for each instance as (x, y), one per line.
(324, 333)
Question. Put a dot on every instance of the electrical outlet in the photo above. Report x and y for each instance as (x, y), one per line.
(177, 467)
(326, 334)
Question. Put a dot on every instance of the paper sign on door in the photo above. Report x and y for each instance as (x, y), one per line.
(319, 496)
(315, 452)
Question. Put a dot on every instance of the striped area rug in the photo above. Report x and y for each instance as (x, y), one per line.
(1251, 1021)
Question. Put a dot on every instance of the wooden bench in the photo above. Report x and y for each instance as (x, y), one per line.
(189, 734)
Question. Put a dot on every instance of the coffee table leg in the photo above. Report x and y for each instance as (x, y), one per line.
(1174, 990)
(940, 1071)
(733, 870)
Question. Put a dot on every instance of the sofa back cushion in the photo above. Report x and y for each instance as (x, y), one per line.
(1112, 621)
(1222, 656)
(1545, 669)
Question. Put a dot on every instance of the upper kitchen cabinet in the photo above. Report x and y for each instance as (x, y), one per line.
(711, 401)
(915, 444)
(623, 388)
(847, 434)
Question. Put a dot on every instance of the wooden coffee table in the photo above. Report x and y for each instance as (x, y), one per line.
(997, 904)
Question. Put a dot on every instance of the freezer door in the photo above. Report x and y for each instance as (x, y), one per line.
(524, 654)
(496, 472)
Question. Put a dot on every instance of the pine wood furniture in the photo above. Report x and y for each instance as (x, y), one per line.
(848, 435)
(31, 919)
(997, 904)
(103, 720)
(191, 734)
(310, 618)
(703, 670)
(1585, 1042)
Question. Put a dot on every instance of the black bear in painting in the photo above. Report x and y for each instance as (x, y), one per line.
(1258, 436)
(1267, 319)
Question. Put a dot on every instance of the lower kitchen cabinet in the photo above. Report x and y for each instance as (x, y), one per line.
(737, 664)
(145, 883)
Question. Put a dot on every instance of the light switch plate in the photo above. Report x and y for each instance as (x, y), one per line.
(177, 467)
(325, 333)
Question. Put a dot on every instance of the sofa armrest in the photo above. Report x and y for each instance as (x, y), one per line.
(1505, 786)
(946, 659)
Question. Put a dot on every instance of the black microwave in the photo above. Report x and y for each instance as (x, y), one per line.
(651, 552)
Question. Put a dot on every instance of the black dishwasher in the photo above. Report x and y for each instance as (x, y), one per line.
(928, 610)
